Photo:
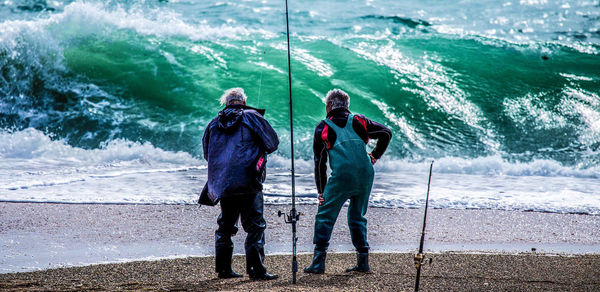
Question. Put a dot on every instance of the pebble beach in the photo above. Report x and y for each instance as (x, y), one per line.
(390, 272)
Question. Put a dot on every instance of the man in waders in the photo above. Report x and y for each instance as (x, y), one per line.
(236, 144)
(343, 137)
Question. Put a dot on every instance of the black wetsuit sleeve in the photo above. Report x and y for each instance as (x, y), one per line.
(382, 134)
(320, 158)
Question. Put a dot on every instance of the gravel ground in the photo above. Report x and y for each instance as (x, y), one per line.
(391, 271)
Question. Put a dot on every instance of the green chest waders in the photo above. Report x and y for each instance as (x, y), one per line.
(351, 179)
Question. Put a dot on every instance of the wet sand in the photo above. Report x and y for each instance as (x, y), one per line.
(505, 249)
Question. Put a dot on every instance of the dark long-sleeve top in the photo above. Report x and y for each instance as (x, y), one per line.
(325, 138)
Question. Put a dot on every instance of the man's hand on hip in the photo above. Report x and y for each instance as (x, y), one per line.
(373, 159)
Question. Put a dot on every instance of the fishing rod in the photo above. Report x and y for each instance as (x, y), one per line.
(293, 216)
(420, 257)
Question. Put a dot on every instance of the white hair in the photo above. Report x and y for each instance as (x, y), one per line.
(338, 99)
(233, 94)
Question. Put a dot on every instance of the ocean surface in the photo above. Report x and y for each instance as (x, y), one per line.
(107, 101)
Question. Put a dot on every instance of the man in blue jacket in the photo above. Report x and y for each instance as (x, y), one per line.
(236, 144)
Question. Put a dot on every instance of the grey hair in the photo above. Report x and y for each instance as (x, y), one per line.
(233, 94)
(338, 99)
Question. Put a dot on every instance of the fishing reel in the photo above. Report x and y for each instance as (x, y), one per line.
(420, 260)
(292, 217)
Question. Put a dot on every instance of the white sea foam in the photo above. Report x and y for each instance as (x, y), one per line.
(583, 105)
(268, 66)
(33, 144)
(462, 183)
(450, 189)
(313, 63)
(576, 77)
(527, 110)
(35, 168)
(401, 122)
(162, 23)
(487, 165)
(86, 18)
(492, 166)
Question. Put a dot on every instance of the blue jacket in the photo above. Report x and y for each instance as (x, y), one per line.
(236, 144)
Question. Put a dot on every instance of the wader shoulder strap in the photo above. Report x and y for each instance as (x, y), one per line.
(335, 127)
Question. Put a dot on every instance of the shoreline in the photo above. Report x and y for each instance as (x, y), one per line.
(40, 236)
(276, 204)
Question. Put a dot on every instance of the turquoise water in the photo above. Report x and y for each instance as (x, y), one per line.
(489, 87)
(90, 72)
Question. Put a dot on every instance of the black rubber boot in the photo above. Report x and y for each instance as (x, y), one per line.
(263, 277)
(362, 263)
(229, 275)
(223, 263)
(318, 263)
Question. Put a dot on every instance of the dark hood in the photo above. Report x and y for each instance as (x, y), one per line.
(231, 116)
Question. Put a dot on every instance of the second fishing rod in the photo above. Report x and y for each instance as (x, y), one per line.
(419, 258)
